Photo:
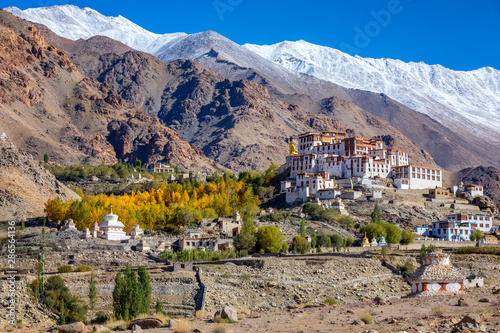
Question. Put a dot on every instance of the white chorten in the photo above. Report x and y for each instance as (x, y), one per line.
(111, 228)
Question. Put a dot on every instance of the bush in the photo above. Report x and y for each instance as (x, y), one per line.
(200, 314)
(438, 310)
(323, 240)
(407, 267)
(330, 301)
(407, 237)
(346, 221)
(300, 245)
(221, 328)
(100, 318)
(269, 239)
(65, 269)
(366, 318)
(181, 326)
(83, 268)
(312, 209)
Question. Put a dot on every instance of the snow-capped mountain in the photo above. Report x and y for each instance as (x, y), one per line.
(74, 23)
(457, 99)
(466, 102)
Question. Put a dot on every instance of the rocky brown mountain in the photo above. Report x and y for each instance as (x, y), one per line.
(239, 124)
(25, 184)
(48, 106)
(489, 177)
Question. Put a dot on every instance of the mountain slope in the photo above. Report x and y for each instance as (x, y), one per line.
(453, 147)
(239, 124)
(48, 106)
(25, 184)
(463, 99)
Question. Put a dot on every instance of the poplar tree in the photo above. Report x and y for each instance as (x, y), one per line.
(303, 229)
(159, 306)
(145, 283)
(376, 216)
(92, 292)
(61, 312)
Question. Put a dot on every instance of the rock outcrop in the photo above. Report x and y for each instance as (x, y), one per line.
(25, 185)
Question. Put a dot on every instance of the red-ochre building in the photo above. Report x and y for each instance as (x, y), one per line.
(436, 276)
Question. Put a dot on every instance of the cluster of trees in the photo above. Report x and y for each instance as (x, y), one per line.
(79, 171)
(392, 234)
(132, 293)
(170, 205)
(319, 240)
(261, 182)
(327, 214)
(197, 254)
(266, 239)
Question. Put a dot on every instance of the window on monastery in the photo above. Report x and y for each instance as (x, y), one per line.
(481, 225)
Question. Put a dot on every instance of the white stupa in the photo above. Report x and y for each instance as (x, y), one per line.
(111, 228)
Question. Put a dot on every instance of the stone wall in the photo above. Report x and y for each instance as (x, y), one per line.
(201, 296)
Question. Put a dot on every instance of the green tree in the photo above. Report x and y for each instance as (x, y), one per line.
(384, 252)
(62, 312)
(46, 158)
(476, 235)
(159, 306)
(92, 292)
(393, 233)
(349, 241)
(137, 163)
(303, 229)
(145, 282)
(323, 240)
(375, 216)
(300, 245)
(269, 239)
(245, 241)
(374, 230)
(407, 237)
(22, 225)
(127, 295)
(337, 241)
(314, 242)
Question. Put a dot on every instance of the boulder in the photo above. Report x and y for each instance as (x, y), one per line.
(379, 300)
(77, 327)
(145, 323)
(229, 313)
(98, 328)
(471, 318)
(136, 328)
(462, 302)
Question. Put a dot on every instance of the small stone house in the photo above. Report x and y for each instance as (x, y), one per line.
(473, 281)
(439, 193)
(183, 266)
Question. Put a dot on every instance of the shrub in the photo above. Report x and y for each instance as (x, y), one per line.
(407, 237)
(181, 326)
(330, 301)
(300, 245)
(83, 268)
(407, 267)
(200, 314)
(323, 240)
(438, 310)
(221, 328)
(366, 318)
(100, 318)
(64, 269)
(269, 239)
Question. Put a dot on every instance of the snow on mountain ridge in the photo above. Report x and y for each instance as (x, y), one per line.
(74, 23)
(468, 102)
(454, 98)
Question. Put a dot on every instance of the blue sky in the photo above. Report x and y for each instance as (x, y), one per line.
(462, 35)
